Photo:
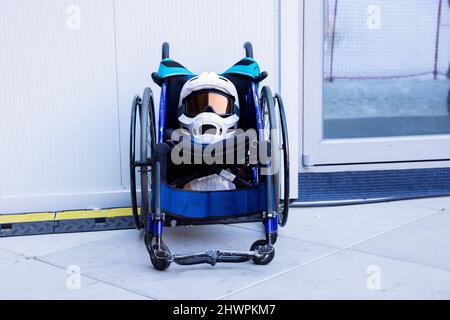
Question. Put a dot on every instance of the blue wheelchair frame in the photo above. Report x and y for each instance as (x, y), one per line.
(257, 202)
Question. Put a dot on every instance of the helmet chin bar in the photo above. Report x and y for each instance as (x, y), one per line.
(214, 123)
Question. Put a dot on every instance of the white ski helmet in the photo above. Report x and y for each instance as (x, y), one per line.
(209, 108)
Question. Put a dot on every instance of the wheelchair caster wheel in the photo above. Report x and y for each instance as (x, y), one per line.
(260, 245)
(160, 259)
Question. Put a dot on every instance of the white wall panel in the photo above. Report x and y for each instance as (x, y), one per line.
(58, 104)
(66, 93)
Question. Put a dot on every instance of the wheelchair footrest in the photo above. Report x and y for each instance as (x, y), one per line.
(212, 257)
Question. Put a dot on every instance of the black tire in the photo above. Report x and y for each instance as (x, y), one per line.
(284, 144)
(148, 146)
(271, 136)
(267, 258)
(134, 207)
(158, 263)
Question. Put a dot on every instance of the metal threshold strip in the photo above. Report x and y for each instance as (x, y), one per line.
(355, 202)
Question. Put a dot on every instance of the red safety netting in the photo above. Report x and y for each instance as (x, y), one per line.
(386, 39)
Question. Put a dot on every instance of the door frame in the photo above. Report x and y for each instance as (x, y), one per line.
(318, 151)
(291, 81)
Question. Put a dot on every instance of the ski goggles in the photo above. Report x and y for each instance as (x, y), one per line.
(209, 101)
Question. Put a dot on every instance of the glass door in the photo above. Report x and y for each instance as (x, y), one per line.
(377, 81)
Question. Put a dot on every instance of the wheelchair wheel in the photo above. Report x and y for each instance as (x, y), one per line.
(284, 146)
(274, 121)
(270, 135)
(267, 258)
(135, 109)
(160, 259)
(148, 146)
(160, 263)
(145, 109)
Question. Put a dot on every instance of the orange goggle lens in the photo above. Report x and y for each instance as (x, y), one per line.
(199, 102)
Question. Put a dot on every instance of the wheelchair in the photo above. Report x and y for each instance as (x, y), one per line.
(261, 194)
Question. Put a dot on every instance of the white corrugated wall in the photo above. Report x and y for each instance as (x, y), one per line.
(69, 70)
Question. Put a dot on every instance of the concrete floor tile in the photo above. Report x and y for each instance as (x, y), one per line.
(35, 246)
(354, 275)
(345, 226)
(426, 241)
(433, 203)
(33, 280)
(7, 258)
(124, 261)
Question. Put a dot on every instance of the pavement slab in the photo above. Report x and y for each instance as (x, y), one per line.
(353, 275)
(124, 261)
(35, 246)
(426, 242)
(344, 226)
(34, 280)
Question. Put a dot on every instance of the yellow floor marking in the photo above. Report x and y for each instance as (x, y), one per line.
(30, 217)
(65, 215)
